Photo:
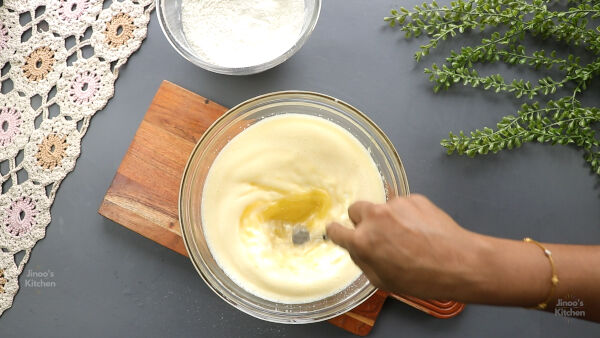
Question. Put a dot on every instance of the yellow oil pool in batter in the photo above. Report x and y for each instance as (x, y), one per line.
(307, 208)
(281, 172)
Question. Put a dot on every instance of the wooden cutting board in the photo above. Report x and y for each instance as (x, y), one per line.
(144, 193)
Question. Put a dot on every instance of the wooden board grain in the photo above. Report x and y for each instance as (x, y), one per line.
(143, 195)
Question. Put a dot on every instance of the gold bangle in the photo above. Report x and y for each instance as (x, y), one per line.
(553, 280)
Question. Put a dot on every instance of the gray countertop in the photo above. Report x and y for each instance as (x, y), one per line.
(109, 281)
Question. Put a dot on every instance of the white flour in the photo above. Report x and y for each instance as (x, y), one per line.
(241, 33)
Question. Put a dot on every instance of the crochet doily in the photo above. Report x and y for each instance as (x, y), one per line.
(59, 60)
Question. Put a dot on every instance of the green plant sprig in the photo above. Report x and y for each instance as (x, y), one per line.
(563, 121)
(444, 78)
(560, 122)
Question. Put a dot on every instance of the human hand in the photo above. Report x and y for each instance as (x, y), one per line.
(410, 246)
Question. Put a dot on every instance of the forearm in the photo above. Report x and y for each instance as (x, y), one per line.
(410, 246)
(509, 272)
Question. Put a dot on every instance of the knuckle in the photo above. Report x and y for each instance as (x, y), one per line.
(399, 202)
(378, 211)
(419, 198)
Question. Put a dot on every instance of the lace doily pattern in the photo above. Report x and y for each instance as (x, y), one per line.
(9, 282)
(16, 124)
(72, 17)
(119, 30)
(85, 88)
(52, 150)
(59, 60)
(9, 33)
(38, 63)
(25, 213)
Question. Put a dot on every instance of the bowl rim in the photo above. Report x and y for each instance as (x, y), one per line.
(247, 70)
(402, 183)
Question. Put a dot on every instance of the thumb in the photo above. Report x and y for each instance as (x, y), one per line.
(340, 235)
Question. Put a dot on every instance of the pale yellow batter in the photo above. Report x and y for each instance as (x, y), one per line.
(280, 172)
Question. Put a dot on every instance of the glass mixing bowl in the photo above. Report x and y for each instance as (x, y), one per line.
(169, 17)
(208, 147)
